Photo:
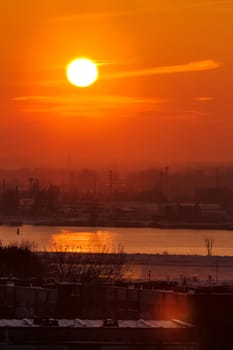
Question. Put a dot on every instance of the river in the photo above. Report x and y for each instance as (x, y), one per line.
(133, 240)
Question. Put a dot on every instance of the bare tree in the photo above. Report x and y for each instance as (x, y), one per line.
(69, 263)
(63, 262)
(209, 243)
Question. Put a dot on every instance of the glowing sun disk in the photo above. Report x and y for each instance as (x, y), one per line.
(82, 72)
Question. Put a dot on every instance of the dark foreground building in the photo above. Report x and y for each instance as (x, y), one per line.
(96, 335)
(209, 308)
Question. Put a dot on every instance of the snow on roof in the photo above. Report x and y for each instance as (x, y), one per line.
(93, 323)
(98, 323)
(12, 323)
(157, 324)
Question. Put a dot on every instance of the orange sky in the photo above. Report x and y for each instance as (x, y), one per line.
(164, 92)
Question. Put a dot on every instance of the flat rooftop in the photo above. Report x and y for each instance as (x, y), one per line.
(78, 323)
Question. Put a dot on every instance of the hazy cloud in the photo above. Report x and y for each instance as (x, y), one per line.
(92, 16)
(197, 66)
(88, 105)
(103, 105)
(87, 99)
(100, 15)
(203, 98)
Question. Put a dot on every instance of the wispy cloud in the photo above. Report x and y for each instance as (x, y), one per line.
(107, 106)
(88, 105)
(86, 99)
(86, 16)
(196, 66)
(208, 3)
(92, 16)
(99, 63)
(203, 98)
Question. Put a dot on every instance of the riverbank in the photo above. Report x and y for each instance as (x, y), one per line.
(190, 268)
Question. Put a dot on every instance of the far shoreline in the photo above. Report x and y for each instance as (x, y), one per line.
(134, 225)
(163, 258)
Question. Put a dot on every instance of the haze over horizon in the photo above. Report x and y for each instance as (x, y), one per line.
(164, 92)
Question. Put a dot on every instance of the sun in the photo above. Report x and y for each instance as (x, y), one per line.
(82, 72)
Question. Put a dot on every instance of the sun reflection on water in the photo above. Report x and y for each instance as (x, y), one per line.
(82, 242)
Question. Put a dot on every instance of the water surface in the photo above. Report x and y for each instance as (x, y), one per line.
(134, 240)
